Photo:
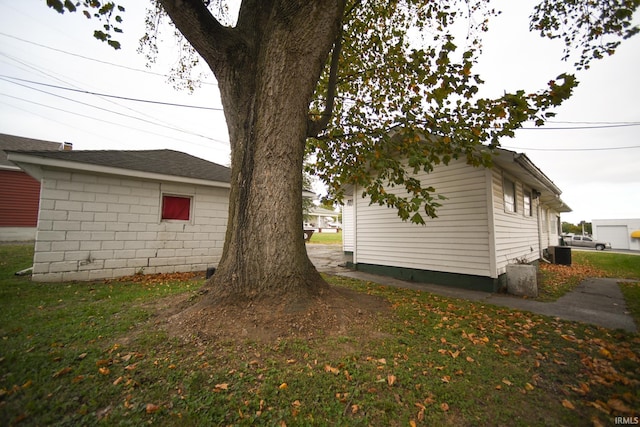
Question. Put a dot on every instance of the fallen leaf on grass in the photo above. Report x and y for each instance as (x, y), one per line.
(528, 387)
(421, 411)
(19, 418)
(604, 352)
(104, 371)
(507, 382)
(582, 390)
(151, 408)
(283, 386)
(619, 406)
(391, 379)
(600, 405)
(222, 386)
(62, 372)
(568, 404)
(444, 407)
(329, 368)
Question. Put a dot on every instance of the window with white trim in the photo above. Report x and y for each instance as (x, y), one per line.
(176, 208)
(526, 206)
(509, 189)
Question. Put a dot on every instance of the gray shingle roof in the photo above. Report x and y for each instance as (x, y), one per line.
(166, 162)
(15, 143)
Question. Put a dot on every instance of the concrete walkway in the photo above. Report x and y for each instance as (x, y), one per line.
(594, 301)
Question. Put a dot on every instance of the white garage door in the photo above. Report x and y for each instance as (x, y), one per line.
(617, 235)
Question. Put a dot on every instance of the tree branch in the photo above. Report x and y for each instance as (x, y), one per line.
(314, 127)
(204, 32)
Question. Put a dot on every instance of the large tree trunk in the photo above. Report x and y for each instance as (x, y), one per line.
(267, 69)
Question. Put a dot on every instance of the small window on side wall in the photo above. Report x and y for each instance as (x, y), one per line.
(176, 208)
(509, 188)
(527, 203)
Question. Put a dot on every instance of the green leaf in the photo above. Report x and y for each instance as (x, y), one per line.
(57, 5)
(70, 6)
(100, 35)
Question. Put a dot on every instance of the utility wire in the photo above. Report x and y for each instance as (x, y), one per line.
(572, 149)
(621, 125)
(48, 74)
(8, 78)
(93, 59)
(101, 120)
(115, 112)
(591, 123)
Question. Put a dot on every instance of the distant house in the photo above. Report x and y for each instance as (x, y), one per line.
(621, 233)
(491, 217)
(105, 214)
(322, 219)
(20, 193)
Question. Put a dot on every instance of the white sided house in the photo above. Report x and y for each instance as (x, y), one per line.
(106, 214)
(491, 217)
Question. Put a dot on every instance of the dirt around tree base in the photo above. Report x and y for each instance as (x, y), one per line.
(338, 311)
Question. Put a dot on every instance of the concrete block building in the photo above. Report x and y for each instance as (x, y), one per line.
(106, 214)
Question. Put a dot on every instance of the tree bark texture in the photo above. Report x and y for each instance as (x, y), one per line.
(267, 68)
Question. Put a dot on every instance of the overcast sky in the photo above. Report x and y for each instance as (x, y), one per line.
(591, 152)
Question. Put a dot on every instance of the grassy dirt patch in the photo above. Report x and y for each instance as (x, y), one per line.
(116, 353)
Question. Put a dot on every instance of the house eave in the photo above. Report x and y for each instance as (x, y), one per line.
(27, 162)
(523, 168)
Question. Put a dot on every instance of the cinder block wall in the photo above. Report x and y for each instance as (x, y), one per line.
(99, 227)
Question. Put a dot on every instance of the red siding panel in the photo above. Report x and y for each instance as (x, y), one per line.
(19, 199)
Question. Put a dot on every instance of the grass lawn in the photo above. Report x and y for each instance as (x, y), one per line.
(556, 280)
(327, 238)
(93, 354)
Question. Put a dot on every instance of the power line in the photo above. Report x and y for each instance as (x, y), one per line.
(103, 120)
(591, 122)
(47, 73)
(94, 59)
(113, 112)
(5, 77)
(582, 127)
(572, 149)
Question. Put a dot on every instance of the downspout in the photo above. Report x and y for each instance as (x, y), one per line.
(354, 214)
(493, 262)
(538, 213)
